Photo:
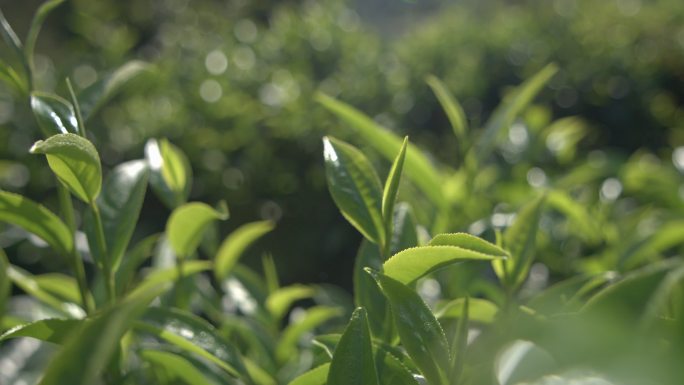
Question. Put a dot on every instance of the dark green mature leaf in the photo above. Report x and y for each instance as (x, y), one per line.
(666, 301)
(187, 223)
(417, 166)
(389, 195)
(133, 259)
(280, 300)
(315, 376)
(36, 24)
(13, 41)
(76, 163)
(119, 204)
(509, 109)
(419, 331)
(53, 114)
(36, 219)
(95, 341)
(368, 295)
(353, 362)
(51, 330)
(314, 317)
(93, 97)
(175, 367)
(5, 283)
(451, 106)
(27, 282)
(411, 264)
(520, 241)
(236, 243)
(171, 175)
(195, 335)
(354, 187)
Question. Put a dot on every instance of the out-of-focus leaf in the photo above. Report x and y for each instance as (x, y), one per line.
(13, 41)
(175, 367)
(314, 317)
(93, 97)
(119, 204)
(26, 282)
(236, 243)
(193, 334)
(668, 235)
(509, 109)
(354, 187)
(459, 343)
(563, 135)
(353, 362)
(520, 241)
(5, 283)
(170, 274)
(576, 213)
(411, 264)
(53, 114)
(171, 175)
(367, 293)
(389, 194)
(419, 331)
(479, 310)
(417, 166)
(187, 223)
(451, 106)
(95, 341)
(36, 24)
(11, 79)
(315, 376)
(36, 219)
(60, 285)
(666, 301)
(270, 273)
(280, 300)
(133, 259)
(51, 330)
(76, 163)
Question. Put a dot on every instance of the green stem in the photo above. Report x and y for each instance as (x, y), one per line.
(106, 264)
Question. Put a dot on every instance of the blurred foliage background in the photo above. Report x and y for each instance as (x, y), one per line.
(232, 82)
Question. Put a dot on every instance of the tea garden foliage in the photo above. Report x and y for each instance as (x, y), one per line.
(485, 267)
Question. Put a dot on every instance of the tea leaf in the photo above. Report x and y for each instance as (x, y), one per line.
(469, 242)
(315, 376)
(27, 282)
(60, 285)
(354, 187)
(192, 334)
(36, 24)
(76, 163)
(170, 274)
(368, 294)
(315, 316)
(175, 367)
(411, 264)
(171, 175)
(282, 299)
(53, 114)
(133, 259)
(36, 219)
(417, 166)
(451, 106)
(353, 363)
(95, 342)
(51, 330)
(12, 80)
(389, 195)
(479, 310)
(13, 41)
(236, 243)
(419, 331)
(187, 223)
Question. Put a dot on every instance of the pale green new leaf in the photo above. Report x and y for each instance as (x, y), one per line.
(417, 166)
(315, 376)
(175, 367)
(60, 285)
(280, 301)
(451, 106)
(389, 195)
(479, 310)
(52, 330)
(353, 362)
(171, 175)
(315, 316)
(27, 282)
(13, 41)
(76, 163)
(187, 223)
(53, 114)
(36, 219)
(468, 241)
(5, 283)
(11, 79)
(171, 274)
(236, 243)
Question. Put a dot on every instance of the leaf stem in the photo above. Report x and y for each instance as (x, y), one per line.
(106, 264)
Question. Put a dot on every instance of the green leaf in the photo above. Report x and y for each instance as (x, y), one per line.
(133, 259)
(479, 310)
(270, 273)
(367, 293)
(418, 167)
(120, 202)
(353, 363)
(315, 316)
(51, 330)
(175, 367)
(187, 223)
(93, 97)
(419, 331)
(170, 274)
(194, 335)
(95, 341)
(36, 24)
(36, 219)
(76, 163)
(27, 282)
(411, 264)
(236, 243)
(666, 301)
(13, 41)
(60, 285)
(451, 106)
(469, 242)
(53, 114)
(520, 241)
(282, 299)
(355, 188)
(389, 195)
(669, 235)
(11, 79)
(509, 109)
(5, 283)
(315, 376)
(171, 175)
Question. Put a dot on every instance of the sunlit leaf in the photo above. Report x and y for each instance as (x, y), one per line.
(187, 223)
(668, 235)
(451, 106)
(236, 243)
(314, 317)
(389, 195)
(354, 187)
(280, 301)
(171, 175)
(12, 79)
(51, 330)
(53, 114)
(354, 352)
(76, 163)
(315, 376)
(133, 259)
(26, 282)
(171, 274)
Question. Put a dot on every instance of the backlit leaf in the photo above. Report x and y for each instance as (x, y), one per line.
(187, 223)
(171, 175)
(175, 367)
(236, 243)
(353, 363)
(389, 195)
(451, 106)
(315, 376)
(36, 24)
(51, 330)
